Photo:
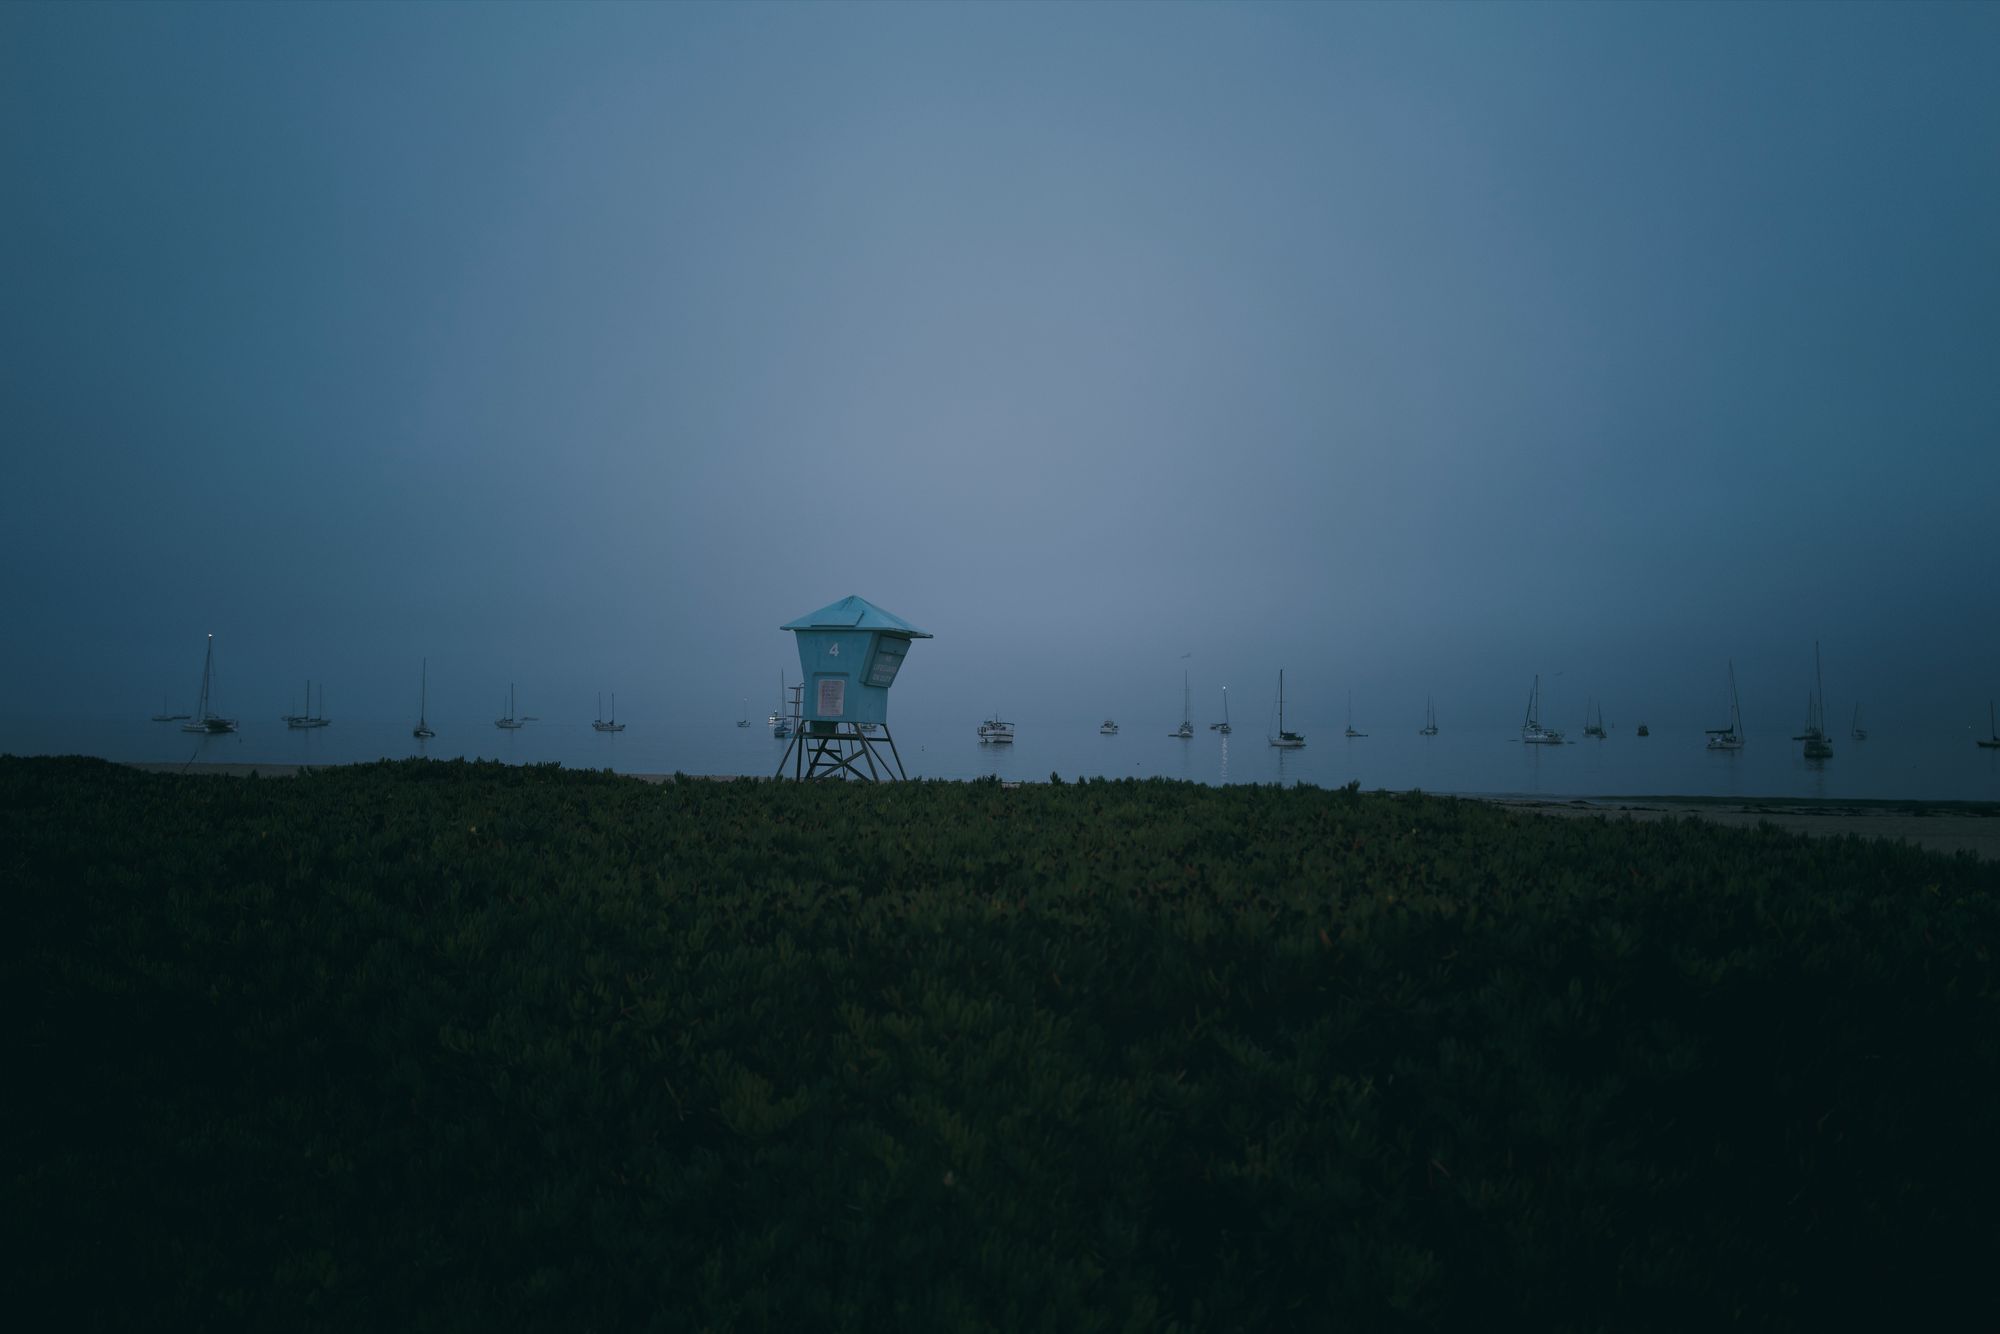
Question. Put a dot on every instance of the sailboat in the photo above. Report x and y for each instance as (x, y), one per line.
(1186, 729)
(1818, 745)
(744, 721)
(610, 724)
(298, 721)
(1350, 716)
(422, 731)
(781, 726)
(1223, 726)
(510, 723)
(1430, 727)
(1855, 729)
(166, 713)
(205, 718)
(1994, 744)
(1730, 737)
(1285, 740)
(1532, 731)
(1593, 721)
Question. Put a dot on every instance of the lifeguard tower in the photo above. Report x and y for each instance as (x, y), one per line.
(849, 654)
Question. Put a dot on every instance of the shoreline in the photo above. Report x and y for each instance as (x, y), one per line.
(1936, 826)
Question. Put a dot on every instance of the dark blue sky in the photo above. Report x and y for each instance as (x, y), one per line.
(1408, 347)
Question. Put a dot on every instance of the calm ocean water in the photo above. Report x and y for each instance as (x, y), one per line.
(1890, 764)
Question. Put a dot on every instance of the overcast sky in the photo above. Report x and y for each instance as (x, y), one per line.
(1411, 348)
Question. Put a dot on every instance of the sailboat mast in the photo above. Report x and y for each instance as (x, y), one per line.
(1281, 701)
(1819, 686)
(207, 669)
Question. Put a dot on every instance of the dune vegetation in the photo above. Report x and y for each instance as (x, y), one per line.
(448, 1046)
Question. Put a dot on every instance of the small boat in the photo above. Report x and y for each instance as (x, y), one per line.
(1855, 729)
(205, 718)
(1223, 726)
(1730, 737)
(508, 722)
(1285, 740)
(610, 724)
(422, 731)
(1430, 727)
(1994, 743)
(744, 721)
(781, 723)
(1818, 745)
(1812, 730)
(1350, 717)
(166, 715)
(1108, 728)
(1186, 729)
(996, 732)
(300, 721)
(1593, 721)
(1532, 731)
(1643, 731)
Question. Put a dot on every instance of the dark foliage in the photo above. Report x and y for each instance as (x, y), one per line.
(449, 1046)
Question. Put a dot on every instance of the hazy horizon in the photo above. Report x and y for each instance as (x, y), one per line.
(1413, 349)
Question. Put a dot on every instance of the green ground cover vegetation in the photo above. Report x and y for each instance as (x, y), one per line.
(447, 1046)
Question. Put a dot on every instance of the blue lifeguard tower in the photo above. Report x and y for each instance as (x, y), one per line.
(849, 654)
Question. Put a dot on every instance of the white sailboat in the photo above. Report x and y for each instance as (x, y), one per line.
(299, 721)
(781, 725)
(1186, 729)
(1223, 726)
(205, 718)
(422, 731)
(610, 724)
(1532, 731)
(1818, 745)
(1285, 740)
(1350, 717)
(1430, 727)
(508, 722)
(1730, 737)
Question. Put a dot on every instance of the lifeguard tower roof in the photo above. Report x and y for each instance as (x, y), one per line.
(855, 613)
